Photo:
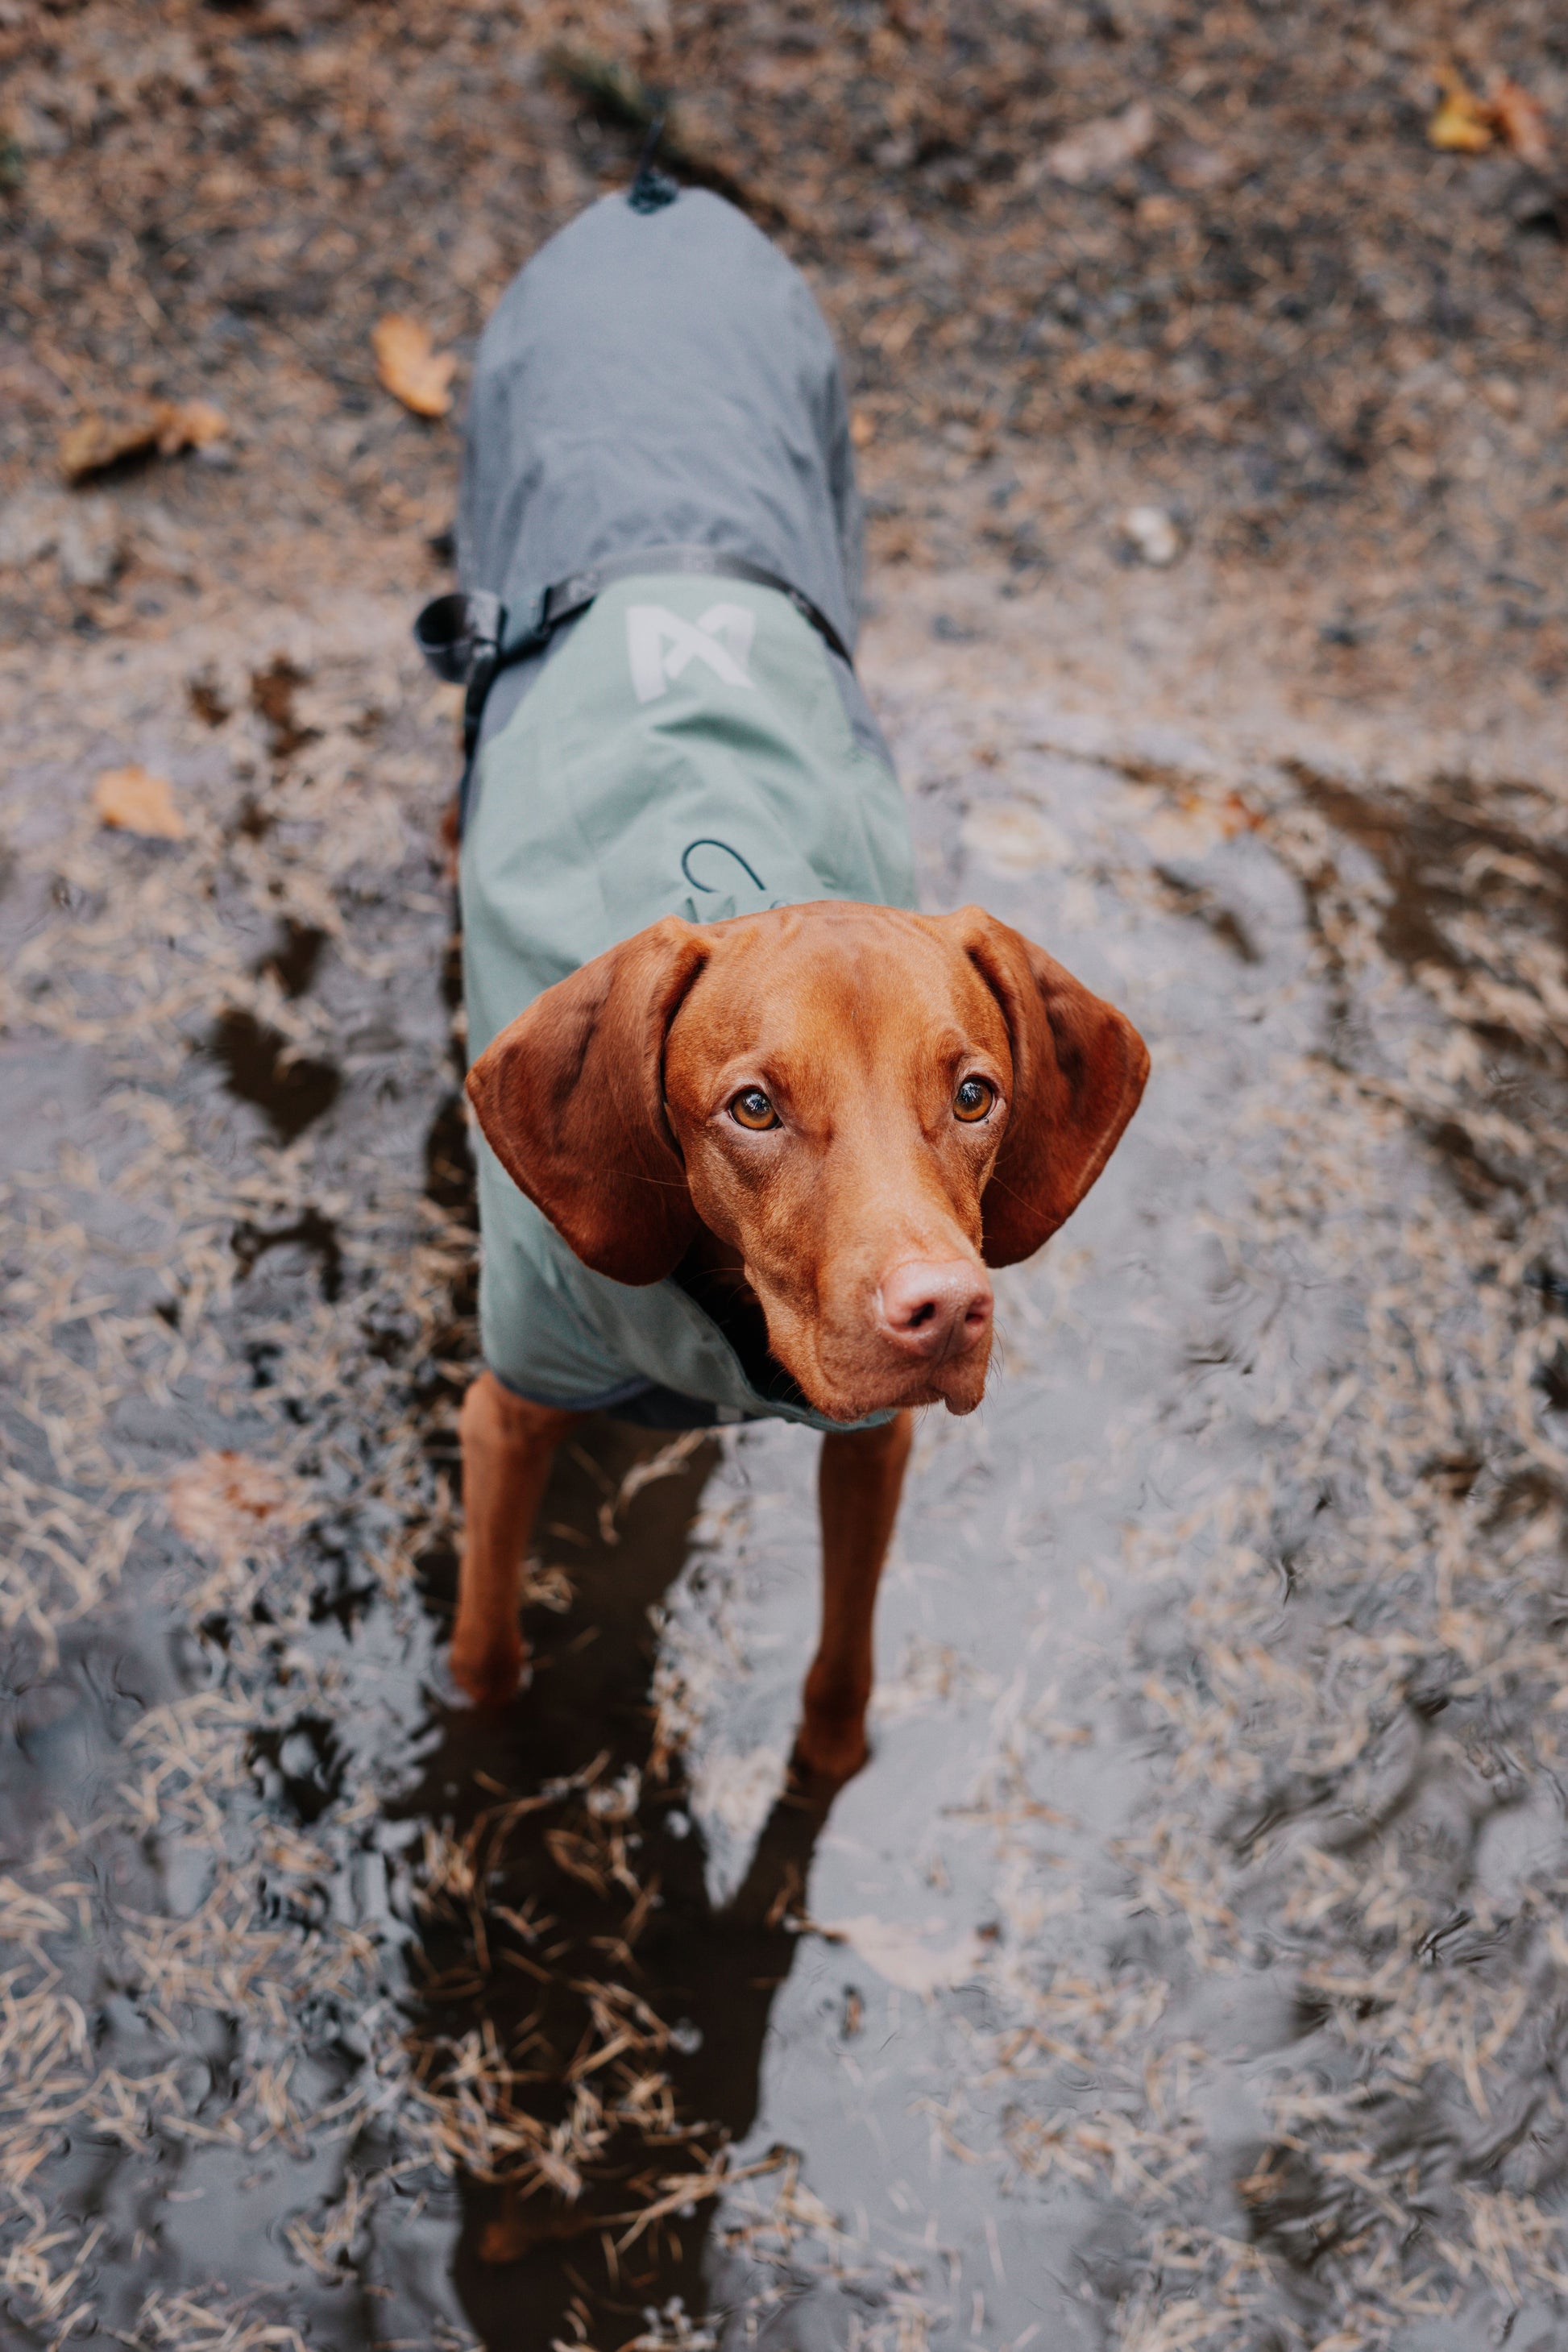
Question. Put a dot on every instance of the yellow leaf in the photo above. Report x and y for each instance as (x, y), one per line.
(134, 801)
(410, 368)
(1462, 123)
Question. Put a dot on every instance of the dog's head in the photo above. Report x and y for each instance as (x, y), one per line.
(871, 1107)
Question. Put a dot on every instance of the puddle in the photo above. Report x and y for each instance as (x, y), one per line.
(1186, 1967)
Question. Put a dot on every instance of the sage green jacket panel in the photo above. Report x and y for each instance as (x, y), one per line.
(686, 752)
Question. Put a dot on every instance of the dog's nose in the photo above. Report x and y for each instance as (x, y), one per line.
(935, 1310)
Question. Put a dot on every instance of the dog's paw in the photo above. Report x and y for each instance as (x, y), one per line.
(486, 1676)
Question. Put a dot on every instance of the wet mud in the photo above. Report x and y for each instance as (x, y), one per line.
(292, 1089)
(1186, 1968)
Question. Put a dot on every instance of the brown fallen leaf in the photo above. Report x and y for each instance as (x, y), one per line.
(191, 424)
(132, 800)
(1522, 122)
(1097, 149)
(410, 368)
(96, 441)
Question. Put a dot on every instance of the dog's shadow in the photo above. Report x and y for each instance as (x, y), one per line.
(591, 2027)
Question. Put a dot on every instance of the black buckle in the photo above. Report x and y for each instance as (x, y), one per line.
(453, 631)
(460, 636)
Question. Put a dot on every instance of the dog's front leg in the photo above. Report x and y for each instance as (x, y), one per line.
(860, 1481)
(507, 1447)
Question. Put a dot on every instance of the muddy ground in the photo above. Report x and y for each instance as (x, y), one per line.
(1187, 1970)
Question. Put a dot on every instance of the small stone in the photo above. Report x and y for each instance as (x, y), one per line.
(1151, 535)
(89, 548)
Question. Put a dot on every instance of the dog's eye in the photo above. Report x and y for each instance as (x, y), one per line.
(974, 1099)
(752, 1108)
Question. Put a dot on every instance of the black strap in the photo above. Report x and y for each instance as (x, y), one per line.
(463, 636)
(570, 597)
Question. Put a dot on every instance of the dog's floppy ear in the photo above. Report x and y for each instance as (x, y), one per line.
(571, 1099)
(1079, 1069)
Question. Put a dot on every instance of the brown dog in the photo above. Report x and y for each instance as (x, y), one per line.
(833, 1117)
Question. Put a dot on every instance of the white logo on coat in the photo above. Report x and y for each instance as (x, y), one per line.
(659, 645)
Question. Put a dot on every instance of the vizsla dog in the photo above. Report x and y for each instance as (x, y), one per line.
(754, 1130)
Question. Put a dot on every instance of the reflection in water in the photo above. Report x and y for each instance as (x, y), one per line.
(594, 2027)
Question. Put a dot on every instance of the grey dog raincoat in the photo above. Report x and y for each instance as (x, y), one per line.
(690, 746)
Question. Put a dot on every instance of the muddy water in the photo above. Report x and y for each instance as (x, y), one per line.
(1186, 1967)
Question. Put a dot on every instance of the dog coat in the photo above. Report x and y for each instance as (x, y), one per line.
(689, 745)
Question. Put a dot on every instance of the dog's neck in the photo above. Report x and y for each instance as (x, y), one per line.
(713, 1274)
(714, 1271)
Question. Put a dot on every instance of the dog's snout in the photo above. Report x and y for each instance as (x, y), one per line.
(934, 1310)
